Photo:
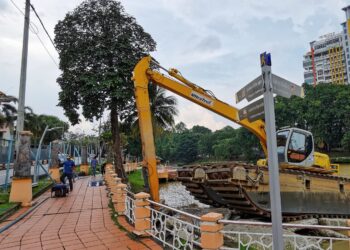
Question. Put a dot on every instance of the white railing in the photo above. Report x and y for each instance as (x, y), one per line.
(237, 240)
(248, 240)
(176, 229)
(174, 232)
(130, 209)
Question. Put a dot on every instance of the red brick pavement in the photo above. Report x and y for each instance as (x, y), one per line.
(80, 221)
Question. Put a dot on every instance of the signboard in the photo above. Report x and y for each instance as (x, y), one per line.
(251, 91)
(281, 87)
(265, 59)
(254, 111)
(285, 88)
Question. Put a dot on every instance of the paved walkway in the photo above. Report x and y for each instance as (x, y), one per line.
(80, 221)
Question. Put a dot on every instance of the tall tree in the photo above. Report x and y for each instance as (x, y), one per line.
(99, 45)
(163, 109)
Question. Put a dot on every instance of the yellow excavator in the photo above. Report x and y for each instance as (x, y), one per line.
(295, 146)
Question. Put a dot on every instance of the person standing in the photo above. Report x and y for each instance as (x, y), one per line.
(68, 166)
(103, 168)
(93, 165)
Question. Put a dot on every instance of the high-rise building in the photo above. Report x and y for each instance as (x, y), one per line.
(328, 60)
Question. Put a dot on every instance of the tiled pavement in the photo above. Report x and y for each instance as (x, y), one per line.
(81, 220)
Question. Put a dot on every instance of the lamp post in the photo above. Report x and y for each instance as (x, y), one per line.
(38, 153)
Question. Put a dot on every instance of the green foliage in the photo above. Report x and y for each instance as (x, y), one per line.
(185, 146)
(37, 123)
(136, 181)
(99, 45)
(345, 142)
(325, 111)
(8, 113)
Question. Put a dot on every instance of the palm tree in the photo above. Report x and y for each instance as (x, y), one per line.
(163, 109)
(8, 112)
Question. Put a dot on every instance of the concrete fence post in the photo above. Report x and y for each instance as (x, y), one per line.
(211, 237)
(109, 176)
(111, 180)
(142, 214)
(119, 198)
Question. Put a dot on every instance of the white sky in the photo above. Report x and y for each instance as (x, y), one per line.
(215, 44)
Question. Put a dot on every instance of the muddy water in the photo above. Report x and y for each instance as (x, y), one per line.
(175, 195)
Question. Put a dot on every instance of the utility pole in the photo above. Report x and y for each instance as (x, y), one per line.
(22, 84)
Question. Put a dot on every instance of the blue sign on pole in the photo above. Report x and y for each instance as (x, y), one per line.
(265, 59)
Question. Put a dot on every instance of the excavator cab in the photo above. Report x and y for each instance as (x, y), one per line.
(295, 147)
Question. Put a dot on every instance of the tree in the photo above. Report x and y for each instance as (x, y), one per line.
(186, 147)
(8, 113)
(200, 130)
(325, 111)
(346, 141)
(37, 123)
(99, 45)
(180, 127)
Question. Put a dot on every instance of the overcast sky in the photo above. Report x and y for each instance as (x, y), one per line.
(215, 44)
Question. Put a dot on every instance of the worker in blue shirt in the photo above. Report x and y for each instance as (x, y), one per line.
(68, 166)
(93, 165)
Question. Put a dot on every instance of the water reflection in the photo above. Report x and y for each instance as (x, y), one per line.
(175, 195)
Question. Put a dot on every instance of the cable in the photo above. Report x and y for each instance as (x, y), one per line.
(42, 24)
(47, 51)
(34, 29)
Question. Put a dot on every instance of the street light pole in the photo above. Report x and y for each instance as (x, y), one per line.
(22, 85)
(38, 153)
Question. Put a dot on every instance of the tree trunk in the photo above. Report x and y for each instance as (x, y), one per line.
(119, 169)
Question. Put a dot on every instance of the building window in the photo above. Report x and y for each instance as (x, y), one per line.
(347, 49)
(346, 43)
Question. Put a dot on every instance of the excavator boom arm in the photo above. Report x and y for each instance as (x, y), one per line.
(142, 75)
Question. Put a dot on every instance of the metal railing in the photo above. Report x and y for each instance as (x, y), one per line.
(178, 230)
(249, 240)
(242, 239)
(129, 209)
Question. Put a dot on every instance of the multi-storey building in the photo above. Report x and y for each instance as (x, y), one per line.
(328, 60)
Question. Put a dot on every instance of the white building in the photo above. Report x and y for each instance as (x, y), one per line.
(328, 60)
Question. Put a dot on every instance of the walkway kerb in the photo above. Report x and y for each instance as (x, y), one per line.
(211, 237)
(119, 198)
(114, 181)
(142, 214)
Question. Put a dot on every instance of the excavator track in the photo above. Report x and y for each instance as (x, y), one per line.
(218, 185)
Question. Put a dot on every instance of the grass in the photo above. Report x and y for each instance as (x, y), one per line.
(6, 206)
(42, 186)
(340, 159)
(136, 181)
